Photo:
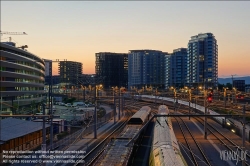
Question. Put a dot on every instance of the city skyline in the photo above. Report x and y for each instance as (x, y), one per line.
(77, 30)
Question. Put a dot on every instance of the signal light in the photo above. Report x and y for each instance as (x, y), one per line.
(209, 98)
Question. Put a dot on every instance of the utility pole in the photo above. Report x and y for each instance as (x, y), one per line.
(78, 93)
(114, 106)
(190, 97)
(175, 101)
(119, 115)
(225, 95)
(243, 136)
(50, 104)
(205, 118)
(43, 146)
(155, 95)
(44, 130)
(123, 103)
(233, 86)
(95, 115)
(233, 80)
(84, 93)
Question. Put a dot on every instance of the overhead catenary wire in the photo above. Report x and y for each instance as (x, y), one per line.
(193, 153)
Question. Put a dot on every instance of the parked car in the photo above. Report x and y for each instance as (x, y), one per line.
(91, 105)
(77, 104)
(68, 105)
(61, 103)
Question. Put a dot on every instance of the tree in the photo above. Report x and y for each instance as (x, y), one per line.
(101, 112)
(221, 86)
(33, 106)
(15, 108)
(229, 86)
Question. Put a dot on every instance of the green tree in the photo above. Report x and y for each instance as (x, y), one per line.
(229, 86)
(15, 108)
(101, 112)
(220, 86)
(33, 106)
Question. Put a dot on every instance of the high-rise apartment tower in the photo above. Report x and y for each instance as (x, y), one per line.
(202, 61)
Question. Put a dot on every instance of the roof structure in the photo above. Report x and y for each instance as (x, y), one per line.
(12, 128)
(140, 116)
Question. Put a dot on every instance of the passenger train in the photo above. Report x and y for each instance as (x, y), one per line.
(119, 150)
(150, 98)
(165, 150)
(220, 120)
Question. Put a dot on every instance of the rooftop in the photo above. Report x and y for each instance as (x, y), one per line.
(12, 128)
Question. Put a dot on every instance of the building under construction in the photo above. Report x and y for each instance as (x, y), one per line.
(70, 72)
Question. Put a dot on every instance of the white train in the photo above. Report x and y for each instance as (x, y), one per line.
(198, 107)
(230, 123)
(117, 151)
(165, 150)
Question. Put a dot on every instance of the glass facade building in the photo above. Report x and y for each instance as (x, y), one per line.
(202, 61)
(176, 68)
(146, 68)
(22, 78)
(70, 72)
(113, 68)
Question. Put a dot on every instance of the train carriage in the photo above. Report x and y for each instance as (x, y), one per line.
(165, 150)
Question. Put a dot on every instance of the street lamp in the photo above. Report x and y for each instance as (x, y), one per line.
(84, 92)
(190, 97)
(225, 95)
(175, 100)
(243, 133)
(234, 98)
(205, 118)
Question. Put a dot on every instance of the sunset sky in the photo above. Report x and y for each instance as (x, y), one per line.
(77, 30)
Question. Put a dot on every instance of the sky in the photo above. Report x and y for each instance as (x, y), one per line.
(77, 30)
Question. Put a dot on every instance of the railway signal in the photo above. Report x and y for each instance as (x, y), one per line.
(209, 99)
(210, 96)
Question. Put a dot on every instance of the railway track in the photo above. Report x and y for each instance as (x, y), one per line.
(96, 151)
(196, 152)
(228, 143)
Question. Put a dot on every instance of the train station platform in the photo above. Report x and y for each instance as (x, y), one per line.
(86, 142)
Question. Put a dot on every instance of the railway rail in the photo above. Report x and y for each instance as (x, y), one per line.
(92, 155)
(228, 143)
(193, 151)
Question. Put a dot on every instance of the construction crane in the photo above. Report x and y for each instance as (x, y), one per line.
(13, 33)
(23, 47)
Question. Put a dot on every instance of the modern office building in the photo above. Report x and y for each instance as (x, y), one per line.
(168, 75)
(48, 65)
(202, 61)
(146, 68)
(239, 85)
(113, 68)
(88, 79)
(22, 78)
(55, 80)
(176, 68)
(70, 72)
